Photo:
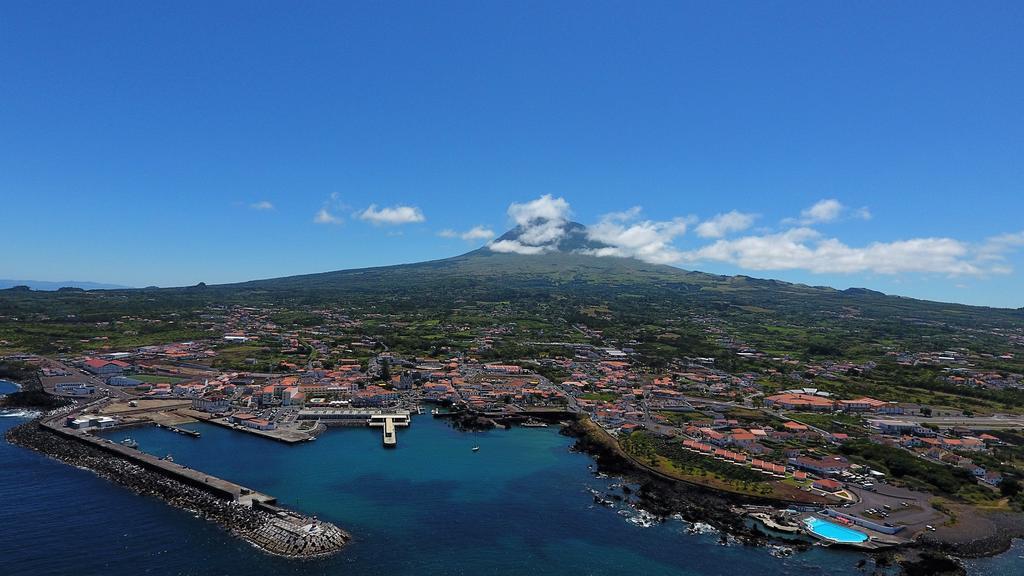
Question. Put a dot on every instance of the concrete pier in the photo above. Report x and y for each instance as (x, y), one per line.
(216, 486)
(387, 422)
(250, 515)
(182, 431)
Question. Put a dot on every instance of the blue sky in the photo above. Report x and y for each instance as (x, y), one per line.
(222, 141)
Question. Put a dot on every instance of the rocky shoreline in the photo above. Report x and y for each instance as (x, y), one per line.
(270, 529)
(664, 498)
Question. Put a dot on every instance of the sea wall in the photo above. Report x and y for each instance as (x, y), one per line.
(270, 528)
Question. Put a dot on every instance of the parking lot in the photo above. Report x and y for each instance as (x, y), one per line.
(886, 504)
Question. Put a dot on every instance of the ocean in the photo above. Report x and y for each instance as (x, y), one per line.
(523, 504)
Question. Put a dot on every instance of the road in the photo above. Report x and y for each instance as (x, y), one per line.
(978, 422)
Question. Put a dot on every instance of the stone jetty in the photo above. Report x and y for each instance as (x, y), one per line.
(259, 521)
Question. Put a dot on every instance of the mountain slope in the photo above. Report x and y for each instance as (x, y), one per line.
(486, 275)
(563, 275)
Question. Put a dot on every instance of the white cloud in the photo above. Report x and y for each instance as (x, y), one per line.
(647, 240)
(474, 233)
(996, 247)
(723, 224)
(828, 210)
(541, 224)
(806, 249)
(517, 247)
(822, 211)
(544, 208)
(327, 214)
(477, 233)
(323, 216)
(393, 215)
(262, 205)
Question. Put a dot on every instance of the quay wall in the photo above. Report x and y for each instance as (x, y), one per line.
(216, 486)
(264, 525)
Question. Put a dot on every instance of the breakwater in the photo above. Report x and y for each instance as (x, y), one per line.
(245, 513)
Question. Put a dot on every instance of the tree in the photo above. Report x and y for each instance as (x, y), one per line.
(1009, 487)
(385, 371)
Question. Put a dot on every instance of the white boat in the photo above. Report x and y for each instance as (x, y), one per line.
(130, 443)
(476, 448)
(531, 423)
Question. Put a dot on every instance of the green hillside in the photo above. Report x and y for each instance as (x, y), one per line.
(668, 310)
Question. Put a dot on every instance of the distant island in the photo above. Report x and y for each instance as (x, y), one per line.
(47, 285)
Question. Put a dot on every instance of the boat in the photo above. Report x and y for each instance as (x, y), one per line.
(168, 458)
(130, 443)
(476, 448)
(531, 423)
(435, 412)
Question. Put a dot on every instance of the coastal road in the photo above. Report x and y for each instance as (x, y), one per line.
(997, 421)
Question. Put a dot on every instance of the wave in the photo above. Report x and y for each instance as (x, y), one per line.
(16, 413)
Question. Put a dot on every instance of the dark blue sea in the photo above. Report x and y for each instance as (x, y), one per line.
(521, 505)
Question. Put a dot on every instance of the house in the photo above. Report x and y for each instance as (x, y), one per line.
(742, 439)
(252, 421)
(105, 367)
(827, 466)
(800, 402)
(123, 381)
(241, 418)
(90, 421)
(896, 427)
(261, 424)
(74, 388)
(791, 426)
(212, 404)
(827, 485)
(992, 478)
(292, 396)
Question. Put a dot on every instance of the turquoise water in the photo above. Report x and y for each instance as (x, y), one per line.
(835, 532)
(522, 504)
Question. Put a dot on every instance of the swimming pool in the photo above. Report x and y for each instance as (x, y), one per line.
(834, 532)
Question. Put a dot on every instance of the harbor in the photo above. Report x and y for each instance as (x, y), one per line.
(247, 513)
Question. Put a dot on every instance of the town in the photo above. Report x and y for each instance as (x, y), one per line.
(842, 466)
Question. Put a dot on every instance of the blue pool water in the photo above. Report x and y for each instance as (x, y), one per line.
(835, 532)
